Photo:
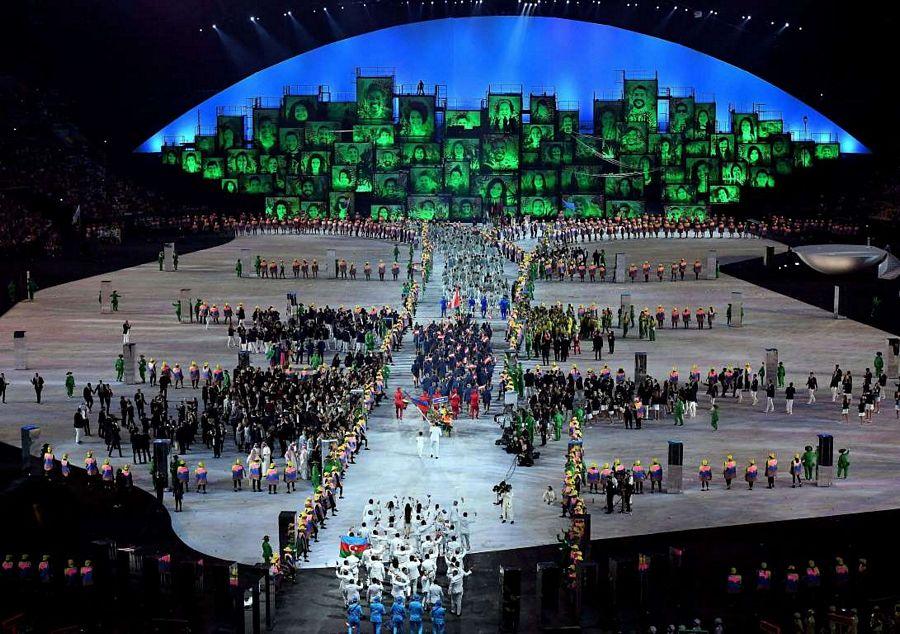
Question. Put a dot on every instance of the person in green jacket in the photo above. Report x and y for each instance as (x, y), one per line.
(779, 373)
(160, 258)
(809, 460)
(370, 341)
(33, 287)
(266, 550)
(257, 264)
(843, 464)
(396, 252)
(714, 417)
(679, 412)
(557, 425)
(316, 360)
(316, 476)
(120, 368)
(174, 260)
(70, 384)
(142, 369)
(114, 300)
(239, 268)
(878, 363)
(762, 374)
(177, 306)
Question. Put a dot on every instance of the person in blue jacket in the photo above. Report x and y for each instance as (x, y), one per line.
(437, 617)
(354, 614)
(398, 615)
(376, 614)
(416, 610)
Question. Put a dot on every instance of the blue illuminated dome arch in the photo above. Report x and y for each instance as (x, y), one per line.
(579, 59)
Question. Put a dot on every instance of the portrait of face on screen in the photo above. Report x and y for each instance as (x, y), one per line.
(352, 153)
(213, 168)
(391, 212)
(265, 129)
(543, 109)
(681, 114)
(539, 206)
(340, 205)
(290, 140)
(533, 134)
(190, 161)
(416, 117)
(229, 132)
(724, 194)
(420, 153)
(313, 209)
(391, 186)
(641, 102)
(298, 109)
(456, 177)
(734, 173)
(282, 207)
(567, 122)
(465, 208)
(500, 152)
(607, 116)
(374, 96)
(745, 126)
(387, 159)
(314, 163)
(504, 112)
(321, 134)
(704, 120)
(428, 207)
(462, 122)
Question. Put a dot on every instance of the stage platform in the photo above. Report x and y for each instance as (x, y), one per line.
(66, 331)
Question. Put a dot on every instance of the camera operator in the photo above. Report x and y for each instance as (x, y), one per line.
(505, 501)
(612, 487)
(626, 491)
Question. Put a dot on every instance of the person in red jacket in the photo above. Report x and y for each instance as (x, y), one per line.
(399, 404)
(473, 404)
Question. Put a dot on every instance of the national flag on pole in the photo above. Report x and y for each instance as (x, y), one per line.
(421, 402)
(353, 545)
(457, 300)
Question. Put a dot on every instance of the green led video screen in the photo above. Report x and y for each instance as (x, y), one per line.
(229, 132)
(416, 117)
(282, 207)
(538, 182)
(567, 121)
(641, 101)
(684, 213)
(388, 213)
(461, 122)
(298, 109)
(457, 177)
(374, 98)
(191, 161)
(542, 109)
(504, 112)
(583, 206)
(205, 143)
(516, 154)
(624, 208)
(539, 206)
(428, 207)
(465, 208)
(265, 129)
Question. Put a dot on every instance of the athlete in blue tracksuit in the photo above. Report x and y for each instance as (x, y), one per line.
(437, 618)
(376, 614)
(398, 615)
(354, 614)
(416, 610)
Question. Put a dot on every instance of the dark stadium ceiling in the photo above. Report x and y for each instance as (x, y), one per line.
(129, 67)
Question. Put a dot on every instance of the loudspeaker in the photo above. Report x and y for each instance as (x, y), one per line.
(286, 521)
(826, 450)
(548, 581)
(161, 449)
(510, 598)
(243, 359)
(676, 453)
